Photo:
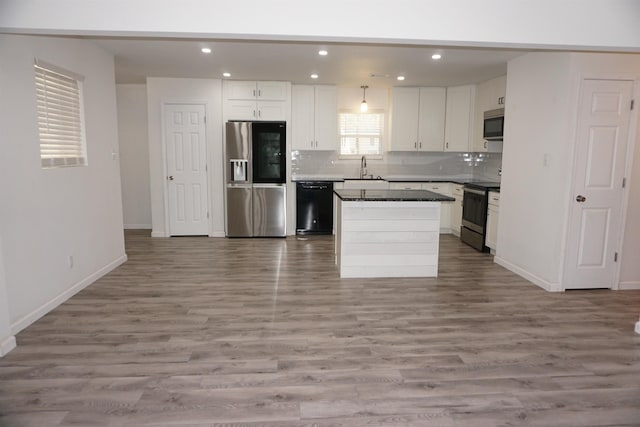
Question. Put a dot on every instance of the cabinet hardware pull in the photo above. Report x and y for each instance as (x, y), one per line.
(254, 93)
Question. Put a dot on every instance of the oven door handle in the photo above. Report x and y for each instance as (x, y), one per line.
(474, 191)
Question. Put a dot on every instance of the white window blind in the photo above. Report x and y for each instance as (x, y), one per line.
(60, 118)
(361, 133)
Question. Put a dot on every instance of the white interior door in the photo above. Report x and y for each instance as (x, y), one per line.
(186, 153)
(595, 218)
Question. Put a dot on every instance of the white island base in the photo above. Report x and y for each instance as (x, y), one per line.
(387, 238)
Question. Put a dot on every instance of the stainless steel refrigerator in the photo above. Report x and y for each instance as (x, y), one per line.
(255, 171)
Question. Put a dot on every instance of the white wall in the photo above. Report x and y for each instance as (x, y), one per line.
(532, 194)
(48, 215)
(134, 155)
(539, 23)
(7, 340)
(185, 91)
(537, 163)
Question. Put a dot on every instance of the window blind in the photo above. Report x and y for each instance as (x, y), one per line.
(60, 119)
(361, 133)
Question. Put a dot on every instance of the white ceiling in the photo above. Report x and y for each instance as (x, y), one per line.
(345, 65)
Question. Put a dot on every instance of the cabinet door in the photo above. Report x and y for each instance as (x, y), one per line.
(326, 118)
(456, 208)
(492, 227)
(456, 215)
(431, 118)
(302, 117)
(445, 207)
(271, 110)
(240, 110)
(239, 90)
(459, 118)
(404, 119)
(271, 91)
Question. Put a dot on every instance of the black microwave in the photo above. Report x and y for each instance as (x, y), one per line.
(493, 125)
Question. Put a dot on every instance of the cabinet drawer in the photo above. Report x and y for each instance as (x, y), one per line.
(438, 187)
(457, 190)
(405, 186)
(494, 198)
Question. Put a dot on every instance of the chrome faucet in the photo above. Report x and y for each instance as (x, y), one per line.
(363, 167)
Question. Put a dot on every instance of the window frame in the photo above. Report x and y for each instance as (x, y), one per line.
(382, 134)
(72, 139)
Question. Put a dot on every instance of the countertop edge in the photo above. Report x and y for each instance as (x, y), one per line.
(391, 196)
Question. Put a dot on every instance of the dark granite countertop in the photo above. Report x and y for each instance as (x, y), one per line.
(391, 196)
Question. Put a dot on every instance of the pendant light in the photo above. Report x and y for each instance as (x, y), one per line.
(363, 106)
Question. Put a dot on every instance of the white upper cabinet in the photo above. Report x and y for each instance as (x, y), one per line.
(251, 90)
(417, 119)
(314, 117)
(404, 118)
(459, 118)
(432, 118)
(250, 100)
(490, 95)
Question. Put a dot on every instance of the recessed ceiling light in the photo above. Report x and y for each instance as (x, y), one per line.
(436, 56)
(314, 76)
(323, 52)
(205, 50)
(401, 78)
(226, 74)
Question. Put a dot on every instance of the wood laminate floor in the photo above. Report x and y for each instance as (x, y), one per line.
(263, 332)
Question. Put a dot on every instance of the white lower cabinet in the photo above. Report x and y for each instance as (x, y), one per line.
(456, 208)
(443, 188)
(493, 211)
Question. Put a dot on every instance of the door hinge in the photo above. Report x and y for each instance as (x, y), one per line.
(632, 103)
(207, 215)
(615, 257)
(624, 182)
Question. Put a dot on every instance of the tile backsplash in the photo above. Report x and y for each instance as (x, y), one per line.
(479, 166)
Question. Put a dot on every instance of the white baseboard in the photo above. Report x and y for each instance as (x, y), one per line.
(638, 327)
(137, 226)
(218, 234)
(7, 345)
(629, 286)
(547, 286)
(27, 320)
(159, 234)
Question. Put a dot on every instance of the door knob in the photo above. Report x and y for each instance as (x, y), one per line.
(170, 177)
(580, 199)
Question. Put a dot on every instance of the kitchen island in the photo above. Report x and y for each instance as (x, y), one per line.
(388, 233)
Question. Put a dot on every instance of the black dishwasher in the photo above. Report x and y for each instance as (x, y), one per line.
(314, 207)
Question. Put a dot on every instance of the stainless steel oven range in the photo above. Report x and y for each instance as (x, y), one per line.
(474, 213)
